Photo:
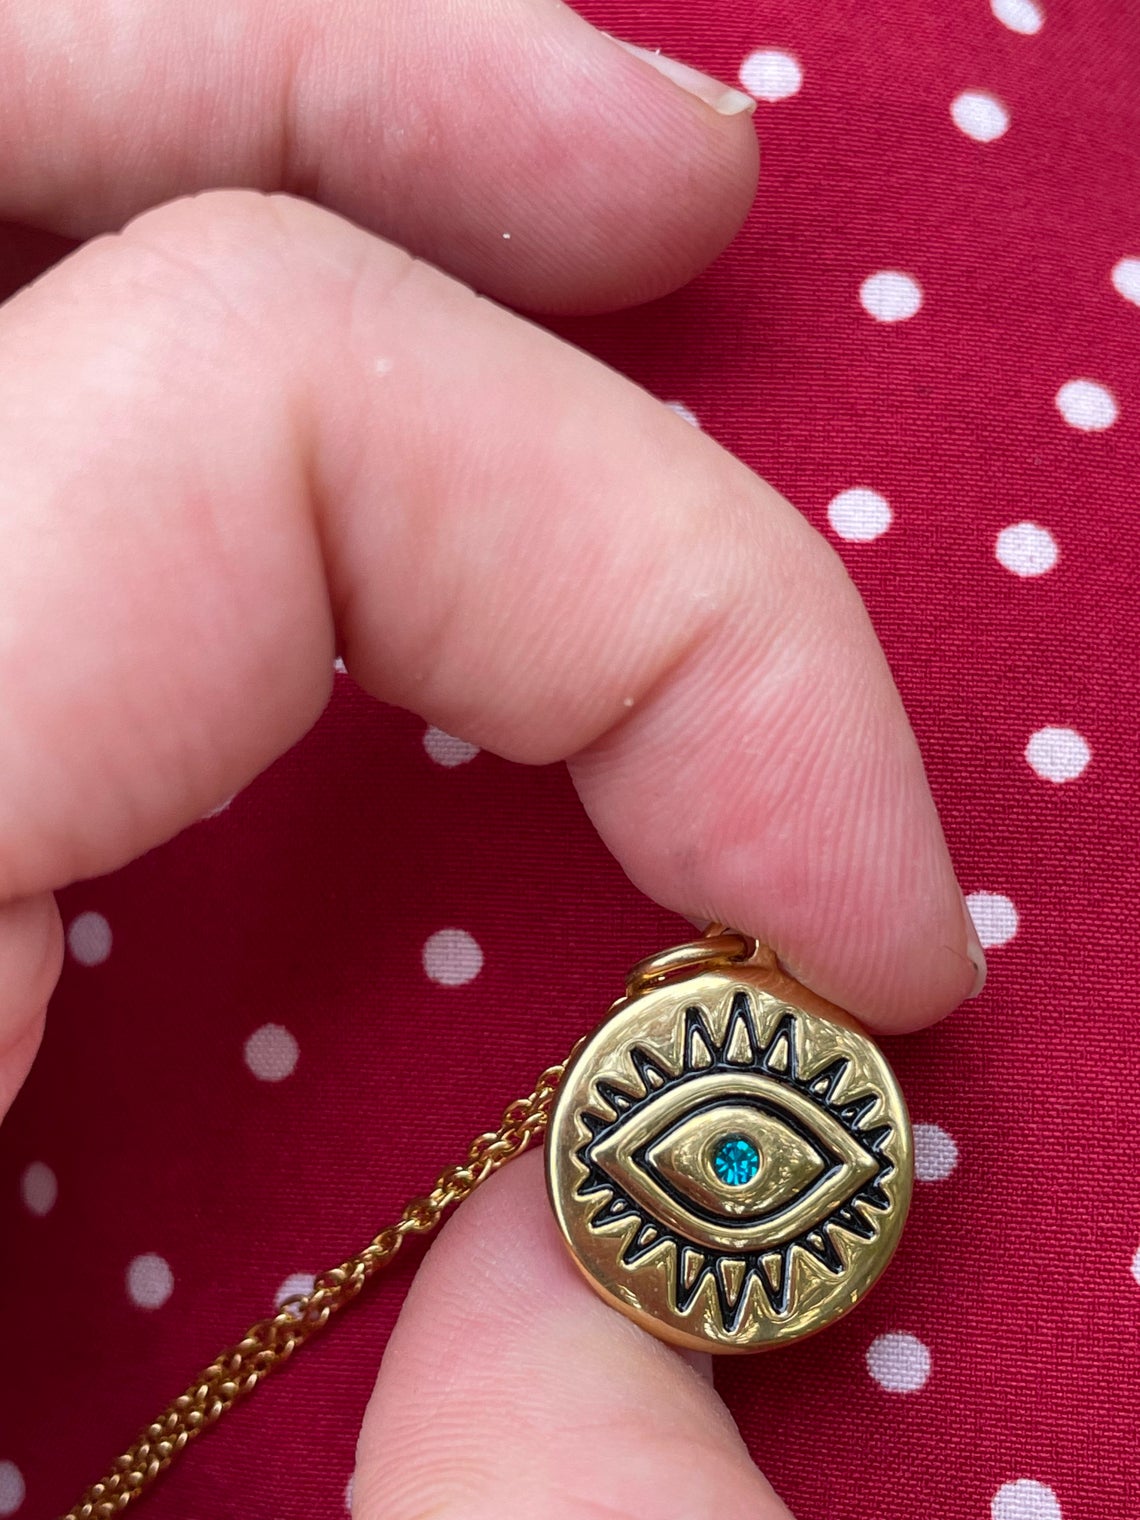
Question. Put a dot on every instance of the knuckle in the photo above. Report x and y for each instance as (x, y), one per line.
(256, 274)
(215, 215)
(250, 250)
(180, 273)
(216, 233)
(227, 241)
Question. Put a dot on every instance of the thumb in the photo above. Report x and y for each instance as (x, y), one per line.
(508, 1387)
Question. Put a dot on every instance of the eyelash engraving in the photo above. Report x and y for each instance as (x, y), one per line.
(735, 1162)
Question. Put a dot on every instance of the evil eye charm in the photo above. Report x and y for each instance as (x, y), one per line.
(729, 1157)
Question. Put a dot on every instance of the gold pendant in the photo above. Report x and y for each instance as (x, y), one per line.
(729, 1156)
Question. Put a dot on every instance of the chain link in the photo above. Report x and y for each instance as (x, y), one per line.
(271, 1342)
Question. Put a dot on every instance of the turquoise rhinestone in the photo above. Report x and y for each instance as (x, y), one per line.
(736, 1160)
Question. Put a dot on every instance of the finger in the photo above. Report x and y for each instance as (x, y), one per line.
(509, 142)
(509, 1387)
(31, 949)
(245, 428)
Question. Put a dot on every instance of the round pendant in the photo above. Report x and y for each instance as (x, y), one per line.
(729, 1157)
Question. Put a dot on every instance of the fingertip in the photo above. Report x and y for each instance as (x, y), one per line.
(889, 990)
(897, 965)
(31, 952)
(899, 1001)
(681, 176)
(609, 185)
(773, 783)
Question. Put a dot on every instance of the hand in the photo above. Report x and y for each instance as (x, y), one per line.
(243, 432)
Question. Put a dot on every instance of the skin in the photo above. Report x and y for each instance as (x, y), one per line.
(246, 430)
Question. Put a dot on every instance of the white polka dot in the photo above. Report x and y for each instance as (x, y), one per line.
(770, 75)
(980, 116)
(684, 412)
(1086, 405)
(1058, 754)
(150, 1282)
(38, 1188)
(1026, 1499)
(859, 514)
(89, 939)
(1026, 549)
(271, 1053)
(446, 750)
(995, 918)
(340, 667)
(1019, 15)
(935, 1154)
(451, 957)
(890, 296)
(11, 1488)
(900, 1363)
(296, 1285)
(1126, 279)
(1136, 1266)
(348, 1495)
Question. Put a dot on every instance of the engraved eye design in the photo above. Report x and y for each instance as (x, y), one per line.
(736, 1160)
(733, 1159)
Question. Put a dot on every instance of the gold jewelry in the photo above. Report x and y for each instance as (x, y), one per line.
(729, 1157)
(729, 1160)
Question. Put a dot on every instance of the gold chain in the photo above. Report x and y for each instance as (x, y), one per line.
(270, 1343)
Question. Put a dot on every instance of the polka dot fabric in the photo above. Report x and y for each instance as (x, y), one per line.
(270, 1031)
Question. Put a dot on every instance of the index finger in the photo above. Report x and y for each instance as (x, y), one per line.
(245, 429)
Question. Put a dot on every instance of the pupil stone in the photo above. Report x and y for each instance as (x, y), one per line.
(736, 1160)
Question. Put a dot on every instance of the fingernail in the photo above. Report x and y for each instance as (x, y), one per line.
(974, 951)
(722, 97)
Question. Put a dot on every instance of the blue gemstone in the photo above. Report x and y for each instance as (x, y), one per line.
(736, 1160)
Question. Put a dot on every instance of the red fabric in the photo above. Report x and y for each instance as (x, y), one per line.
(307, 902)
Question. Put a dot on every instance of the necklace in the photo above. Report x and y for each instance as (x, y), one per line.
(728, 1157)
